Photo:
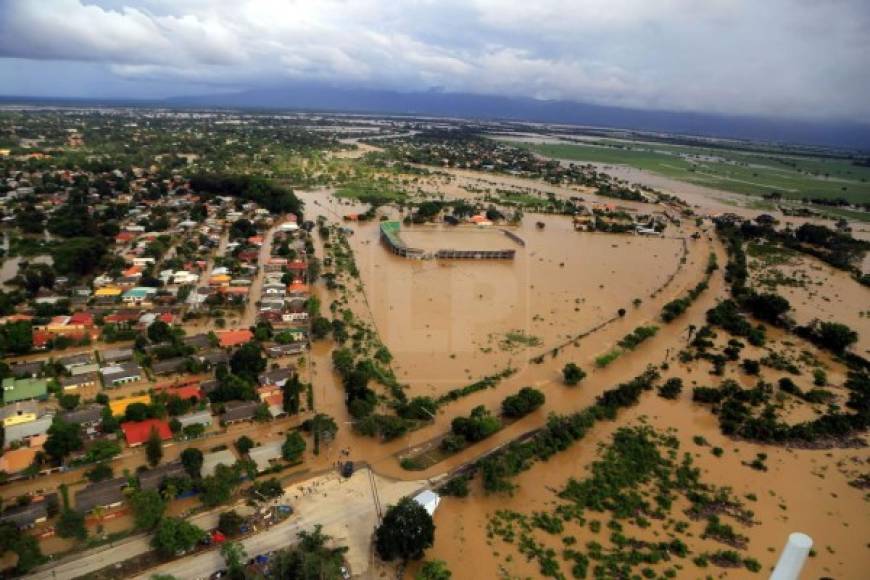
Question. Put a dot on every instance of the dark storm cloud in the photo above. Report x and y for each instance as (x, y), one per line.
(777, 57)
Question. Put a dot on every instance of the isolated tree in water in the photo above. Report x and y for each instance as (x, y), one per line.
(406, 532)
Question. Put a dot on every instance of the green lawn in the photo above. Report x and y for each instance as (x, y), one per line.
(751, 173)
(368, 191)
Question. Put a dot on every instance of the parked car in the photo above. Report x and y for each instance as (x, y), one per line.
(347, 469)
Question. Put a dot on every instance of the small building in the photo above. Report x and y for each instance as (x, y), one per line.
(85, 369)
(103, 494)
(214, 357)
(197, 341)
(237, 411)
(231, 338)
(121, 374)
(116, 355)
(27, 515)
(119, 406)
(137, 432)
(170, 366)
(152, 479)
(79, 381)
(76, 360)
(17, 413)
(429, 500)
(264, 455)
(26, 370)
(277, 377)
(210, 461)
(24, 389)
(280, 350)
(203, 418)
(89, 416)
(25, 431)
(139, 295)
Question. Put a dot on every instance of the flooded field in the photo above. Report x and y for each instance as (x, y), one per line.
(815, 290)
(449, 321)
(431, 238)
(802, 490)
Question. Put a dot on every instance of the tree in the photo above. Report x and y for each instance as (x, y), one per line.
(137, 412)
(434, 570)
(322, 427)
(99, 472)
(24, 545)
(523, 403)
(291, 392)
(835, 336)
(671, 389)
(78, 255)
(71, 524)
(235, 556)
(191, 459)
(406, 531)
(154, 447)
(572, 374)
(244, 444)
(310, 559)
(148, 508)
(293, 447)
(68, 402)
(63, 439)
(16, 337)
(159, 331)
(767, 306)
(219, 488)
(320, 327)
(174, 536)
(248, 361)
(230, 523)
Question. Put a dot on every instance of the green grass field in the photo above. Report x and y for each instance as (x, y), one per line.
(751, 173)
(368, 191)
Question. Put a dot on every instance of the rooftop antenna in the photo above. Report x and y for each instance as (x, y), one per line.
(793, 557)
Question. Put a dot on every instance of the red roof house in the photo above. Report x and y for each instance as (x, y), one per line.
(138, 432)
(229, 338)
(187, 392)
(82, 319)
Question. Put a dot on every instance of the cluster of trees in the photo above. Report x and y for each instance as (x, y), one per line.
(560, 433)
(727, 315)
(524, 402)
(251, 188)
(735, 406)
(676, 307)
(479, 425)
(633, 339)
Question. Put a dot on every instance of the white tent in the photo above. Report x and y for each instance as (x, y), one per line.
(429, 500)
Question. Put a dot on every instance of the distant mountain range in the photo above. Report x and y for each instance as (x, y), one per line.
(315, 97)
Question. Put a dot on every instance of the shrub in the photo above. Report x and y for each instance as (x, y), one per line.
(671, 389)
(523, 403)
(572, 374)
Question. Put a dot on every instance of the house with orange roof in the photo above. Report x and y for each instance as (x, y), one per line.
(231, 338)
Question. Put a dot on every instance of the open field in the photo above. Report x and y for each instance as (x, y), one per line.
(794, 177)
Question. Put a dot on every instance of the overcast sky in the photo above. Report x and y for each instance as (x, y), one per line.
(798, 58)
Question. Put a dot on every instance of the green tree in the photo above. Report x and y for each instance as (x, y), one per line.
(148, 508)
(406, 531)
(63, 439)
(244, 444)
(174, 536)
(293, 447)
(71, 524)
(291, 393)
(230, 523)
(572, 374)
(192, 459)
(234, 556)
(154, 447)
(247, 362)
(310, 559)
(434, 570)
(159, 331)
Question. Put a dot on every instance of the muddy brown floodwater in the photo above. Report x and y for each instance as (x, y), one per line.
(448, 321)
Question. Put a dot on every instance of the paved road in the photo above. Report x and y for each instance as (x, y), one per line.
(344, 508)
(110, 554)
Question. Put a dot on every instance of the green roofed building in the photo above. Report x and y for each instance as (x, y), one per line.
(24, 389)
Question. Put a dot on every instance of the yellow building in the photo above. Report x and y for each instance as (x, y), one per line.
(108, 291)
(18, 413)
(119, 406)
